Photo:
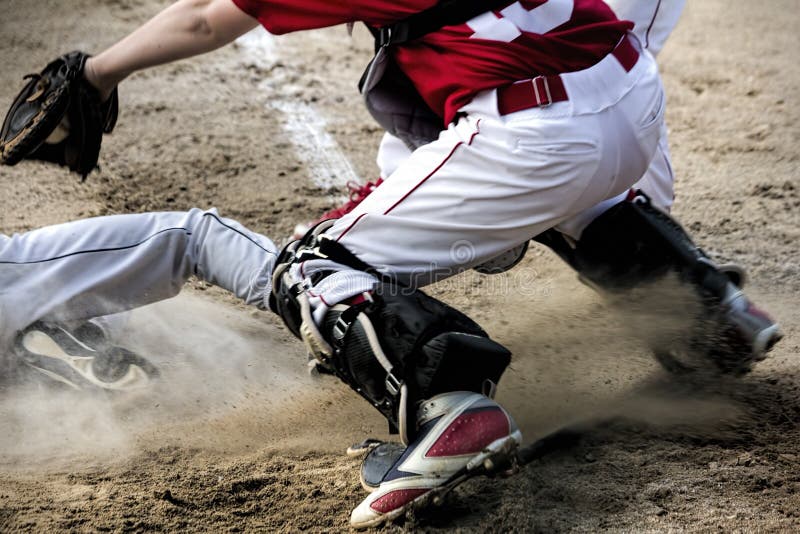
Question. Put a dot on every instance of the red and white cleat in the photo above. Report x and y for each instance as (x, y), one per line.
(462, 435)
(751, 332)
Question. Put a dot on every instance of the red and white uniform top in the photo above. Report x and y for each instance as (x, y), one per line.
(524, 39)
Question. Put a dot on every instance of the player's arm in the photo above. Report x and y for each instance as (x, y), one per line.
(186, 28)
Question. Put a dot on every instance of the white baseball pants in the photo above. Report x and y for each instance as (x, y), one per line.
(491, 182)
(653, 21)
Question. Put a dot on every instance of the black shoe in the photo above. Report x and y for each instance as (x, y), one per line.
(748, 332)
(733, 336)
(82, 358)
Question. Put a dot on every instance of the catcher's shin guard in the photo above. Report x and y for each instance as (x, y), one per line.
(398, 349)
(634, 243)
(394, 345)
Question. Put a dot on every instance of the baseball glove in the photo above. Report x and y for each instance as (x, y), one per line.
(58, 117)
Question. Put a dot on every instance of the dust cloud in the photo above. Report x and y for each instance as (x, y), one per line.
(596, 366)
(232, 380)
(228, 377)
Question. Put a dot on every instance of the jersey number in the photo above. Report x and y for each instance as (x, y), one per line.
(515, 19)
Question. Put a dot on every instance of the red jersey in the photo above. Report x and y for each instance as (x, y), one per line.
(449, 66)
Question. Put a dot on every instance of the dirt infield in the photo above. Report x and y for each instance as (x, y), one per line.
(238, 437)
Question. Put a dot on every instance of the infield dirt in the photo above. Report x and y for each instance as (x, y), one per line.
(238, 437)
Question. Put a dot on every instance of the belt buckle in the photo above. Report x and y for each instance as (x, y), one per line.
(545, 90)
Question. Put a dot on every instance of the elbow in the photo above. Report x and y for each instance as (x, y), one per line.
(214, 23)
(200, 27)
(197, 20)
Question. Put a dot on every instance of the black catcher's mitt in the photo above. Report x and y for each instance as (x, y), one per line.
(58, 117)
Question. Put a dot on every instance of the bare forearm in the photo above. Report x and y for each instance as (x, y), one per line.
(186, 28)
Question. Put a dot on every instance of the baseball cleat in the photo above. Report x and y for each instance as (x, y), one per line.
(365, 447)
(735, 273)
(735, 336)
(750, 332)
(461, 435)
(82, 359)
(378, 462)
